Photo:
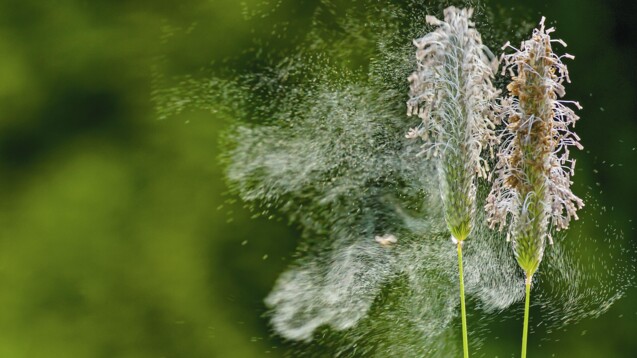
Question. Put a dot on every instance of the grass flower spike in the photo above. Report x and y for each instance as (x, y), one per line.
(451, 91)
(531, 191)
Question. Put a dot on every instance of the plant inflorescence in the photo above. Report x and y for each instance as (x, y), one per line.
(452, 92)
(534, 169)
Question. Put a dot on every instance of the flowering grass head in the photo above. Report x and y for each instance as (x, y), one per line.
(534, 169)
(452, 93)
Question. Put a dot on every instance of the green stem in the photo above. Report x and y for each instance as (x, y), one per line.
(465, 340)
(525, 332)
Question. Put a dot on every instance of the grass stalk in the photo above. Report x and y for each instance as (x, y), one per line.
(463, 310)
(527, 300)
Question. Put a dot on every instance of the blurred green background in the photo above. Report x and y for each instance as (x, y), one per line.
(116, 238)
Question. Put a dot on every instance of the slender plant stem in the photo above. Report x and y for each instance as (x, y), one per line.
(465, 340)
(525, 331)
